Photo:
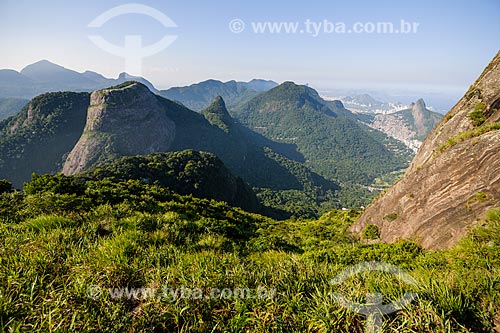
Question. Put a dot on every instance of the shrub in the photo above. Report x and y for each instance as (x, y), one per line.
(5, 186)
(371, 231)
(58, 184)
(478, 116)
(391, 217)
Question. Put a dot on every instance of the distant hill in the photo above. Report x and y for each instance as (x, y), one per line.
(218, 115)
(259, 84)
(332, 144)
(45, 76)
(363, 100)
(199, 95)
(411, 126)
(45, 72)
(11, 106)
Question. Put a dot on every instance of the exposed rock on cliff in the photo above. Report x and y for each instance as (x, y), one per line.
(455, 176)
(116, 118)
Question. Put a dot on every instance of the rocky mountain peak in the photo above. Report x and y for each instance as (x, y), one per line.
(115, 118)
(218, 106)
(218, 115)
(418, 106)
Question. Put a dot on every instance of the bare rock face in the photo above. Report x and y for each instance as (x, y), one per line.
(123, 120)
(454, 178)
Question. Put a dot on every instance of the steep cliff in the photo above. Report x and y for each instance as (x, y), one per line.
(116, 118)
(455, 176)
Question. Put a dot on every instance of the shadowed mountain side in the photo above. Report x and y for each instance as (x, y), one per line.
(41, 135)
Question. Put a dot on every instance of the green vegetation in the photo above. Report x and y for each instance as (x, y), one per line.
(39, 136)
(63, 239)
(478, 197)
(289, 170)
(464, 136)
(478, 116)
(338, 148)
(187, 172)
(389, 179)
(273, 169)
(309, 198)
(200, 95)
(265, 165)
(218, 115)
(473, 92)
(370, 232)
(391, 216)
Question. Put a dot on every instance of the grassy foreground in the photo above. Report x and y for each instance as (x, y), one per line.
(70, 254)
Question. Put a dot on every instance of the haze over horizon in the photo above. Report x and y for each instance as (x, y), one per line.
(443, 56)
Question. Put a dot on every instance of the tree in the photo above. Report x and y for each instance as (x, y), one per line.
(5, 186)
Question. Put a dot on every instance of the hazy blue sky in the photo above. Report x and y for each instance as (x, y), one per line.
(454, 42)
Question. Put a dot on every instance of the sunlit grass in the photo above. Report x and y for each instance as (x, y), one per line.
(48, 262)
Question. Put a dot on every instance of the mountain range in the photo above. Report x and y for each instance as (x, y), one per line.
(17, 88)
(44, 76)
(333, 145)
(293, 147)
(199, 95)
(75, 131)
